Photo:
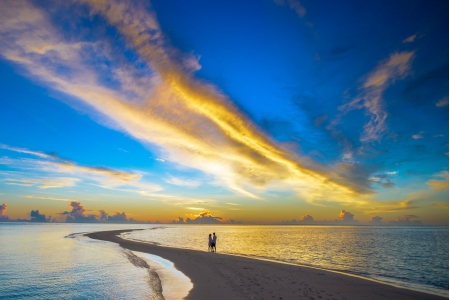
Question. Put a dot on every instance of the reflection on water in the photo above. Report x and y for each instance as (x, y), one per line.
(412, 257)
(38, 262)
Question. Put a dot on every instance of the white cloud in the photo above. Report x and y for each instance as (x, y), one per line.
(48, 183)
(51, 172)
(182, 182)
(49, 198)
(418, 135)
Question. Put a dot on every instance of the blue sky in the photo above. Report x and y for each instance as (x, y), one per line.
(259, 112)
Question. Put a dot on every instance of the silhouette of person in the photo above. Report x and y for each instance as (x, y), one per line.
(210, 243)
(214, 242)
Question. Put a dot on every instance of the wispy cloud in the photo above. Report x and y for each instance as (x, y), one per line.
(182, 182)
(44, 183)
(440, 204)
(48, 198)
(191, 122)
(294, 5)
(410, 39)
(418, 135)
(53, 167)
(195, 208)
(443, 102)
(27, 151)
(397, 66)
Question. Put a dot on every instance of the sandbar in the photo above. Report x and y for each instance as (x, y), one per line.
(222, 276)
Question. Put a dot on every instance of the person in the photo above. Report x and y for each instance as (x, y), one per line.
(210, 243)
(214, 242)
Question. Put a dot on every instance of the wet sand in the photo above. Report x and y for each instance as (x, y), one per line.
(221, 276)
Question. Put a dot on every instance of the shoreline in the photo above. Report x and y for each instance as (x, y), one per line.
(226, 276)
(297, 265)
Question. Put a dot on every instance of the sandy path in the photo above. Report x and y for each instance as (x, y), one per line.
(221, 276)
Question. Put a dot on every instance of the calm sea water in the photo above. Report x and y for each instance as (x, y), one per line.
(413, 257)
(52, 261)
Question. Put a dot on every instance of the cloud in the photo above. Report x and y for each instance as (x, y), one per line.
(406, 221)
(3, 208)
(294, 5)
(440, 204)
(118, 217)
(53, 166)
(44, 183)
(393, 206)
(195, 208)
(37, 217)
(376, 221)
(180, 220)
(383, 180)
(440, 184)
(319, 120)
(204, 218)
(48, 198)
(346, 216)
(306, 219)
(392, 172)
(69, 165)
(297, 7)
(410, 39)
(78, 215)
(26, 151)
(189, 120)
(443, 102)
(397, 66)
(418, 136)
(182, 182)
(103, 216)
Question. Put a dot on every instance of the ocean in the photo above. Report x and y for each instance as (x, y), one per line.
(55, 261)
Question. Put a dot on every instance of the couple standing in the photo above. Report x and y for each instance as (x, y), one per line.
(212, 242)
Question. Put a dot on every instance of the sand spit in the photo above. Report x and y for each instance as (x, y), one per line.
(220, 276)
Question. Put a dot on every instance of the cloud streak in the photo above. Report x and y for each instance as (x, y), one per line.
(397, 66)
(189, 120)
(53, 167)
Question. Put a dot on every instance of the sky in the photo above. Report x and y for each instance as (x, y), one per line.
(252, 112)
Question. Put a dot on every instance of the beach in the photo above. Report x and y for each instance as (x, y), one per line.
(223, 276)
